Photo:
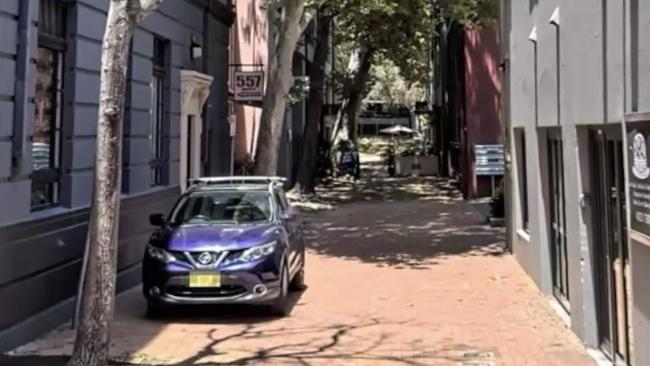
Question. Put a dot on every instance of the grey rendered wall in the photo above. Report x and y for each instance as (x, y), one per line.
(639, 78)
(575, 76)
(176, 22)
(523, 116)
(218, 130)
(40, 252)
(14, 178)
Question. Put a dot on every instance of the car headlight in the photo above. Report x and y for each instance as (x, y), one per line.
(258, 252)
(159, 254)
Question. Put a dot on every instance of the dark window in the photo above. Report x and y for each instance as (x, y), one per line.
(523, 179)
(203, 208)
(156, 136)
(48, 97)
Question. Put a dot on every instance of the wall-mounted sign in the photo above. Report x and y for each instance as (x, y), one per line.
(639, 176)
(249, 86)
(489, 160)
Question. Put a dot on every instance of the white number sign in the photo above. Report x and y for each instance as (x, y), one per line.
(249, 86)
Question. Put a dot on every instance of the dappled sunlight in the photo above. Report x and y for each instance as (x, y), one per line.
(402, 222)
(399, 271)
(406, 234)
(374, 186)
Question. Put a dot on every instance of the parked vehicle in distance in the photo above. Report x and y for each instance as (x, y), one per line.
(230, 240)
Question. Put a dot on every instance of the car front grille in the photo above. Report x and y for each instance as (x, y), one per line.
(180, 257)
(223, 291)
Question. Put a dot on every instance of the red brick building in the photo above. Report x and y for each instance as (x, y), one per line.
(467, 94)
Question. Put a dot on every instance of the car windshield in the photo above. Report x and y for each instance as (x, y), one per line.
(222, 207)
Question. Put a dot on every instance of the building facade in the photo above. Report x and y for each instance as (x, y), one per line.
(253, 40)
(466, 93)
(577, 87)
(175, 128)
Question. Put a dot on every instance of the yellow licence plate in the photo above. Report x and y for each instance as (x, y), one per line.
(205, 280)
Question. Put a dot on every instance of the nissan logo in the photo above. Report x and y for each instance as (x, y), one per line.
(205, 258)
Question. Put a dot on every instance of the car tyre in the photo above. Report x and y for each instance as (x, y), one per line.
(155, 310)
(298, 281)
(280, 306)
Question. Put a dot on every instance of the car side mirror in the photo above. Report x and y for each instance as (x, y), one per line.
(157, 219)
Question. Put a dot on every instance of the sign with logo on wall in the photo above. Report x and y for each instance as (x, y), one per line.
(639, 176)
(249, 86)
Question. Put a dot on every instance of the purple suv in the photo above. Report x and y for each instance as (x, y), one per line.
(227, 241)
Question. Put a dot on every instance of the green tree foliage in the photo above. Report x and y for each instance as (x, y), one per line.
(400, 30)
(397, 33)
(388, 84)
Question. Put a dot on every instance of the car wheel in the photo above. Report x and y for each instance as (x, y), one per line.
(155, 310)
(280, 306)
(298, 281)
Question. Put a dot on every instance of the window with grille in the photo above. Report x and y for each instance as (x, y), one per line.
(48, 105)
(156, 137)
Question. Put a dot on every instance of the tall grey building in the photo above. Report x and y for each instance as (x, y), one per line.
(577, 106)
(175, 127)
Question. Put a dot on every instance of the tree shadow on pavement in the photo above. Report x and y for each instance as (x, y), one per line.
(351, 343)
(404, 235)
(368, 341)
(409, 222)
(376, 186)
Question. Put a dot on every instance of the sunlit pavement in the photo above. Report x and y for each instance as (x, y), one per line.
(400, 271)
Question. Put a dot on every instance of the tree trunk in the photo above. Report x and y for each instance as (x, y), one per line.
(309, 153)
(274, 104)
(345, 125)
(97, 304)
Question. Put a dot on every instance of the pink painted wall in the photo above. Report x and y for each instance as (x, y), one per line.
(248, 45)
(482, 102)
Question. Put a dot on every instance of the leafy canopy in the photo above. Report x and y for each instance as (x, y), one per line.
(399, 32)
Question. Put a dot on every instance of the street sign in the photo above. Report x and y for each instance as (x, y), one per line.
(249, 86)
(639, 176)
(489, 160)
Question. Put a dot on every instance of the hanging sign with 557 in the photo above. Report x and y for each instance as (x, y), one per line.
(249, 86)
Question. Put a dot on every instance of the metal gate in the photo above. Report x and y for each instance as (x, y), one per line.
(559, 262)
(612, 269)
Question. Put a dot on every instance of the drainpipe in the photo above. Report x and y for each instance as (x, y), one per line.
(505, 116)
(628, 213)
(207, 131)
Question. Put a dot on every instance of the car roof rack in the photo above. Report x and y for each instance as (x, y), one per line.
(215, 181)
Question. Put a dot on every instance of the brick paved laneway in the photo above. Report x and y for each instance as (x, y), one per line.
(401, 273)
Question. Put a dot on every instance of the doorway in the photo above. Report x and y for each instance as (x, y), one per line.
(612, 264)
(558, 233)
(189, 156)
(195, 89)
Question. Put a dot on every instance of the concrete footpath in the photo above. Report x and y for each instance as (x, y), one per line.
(400, 272)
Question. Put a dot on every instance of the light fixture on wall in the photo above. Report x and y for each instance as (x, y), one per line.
(555, 18)
(503, 65)
(196, 50)
(533, 35)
